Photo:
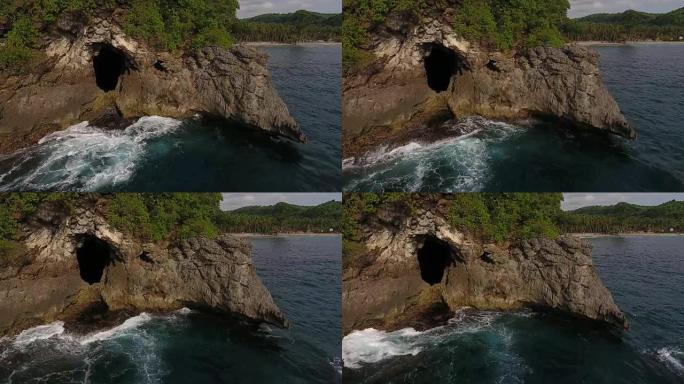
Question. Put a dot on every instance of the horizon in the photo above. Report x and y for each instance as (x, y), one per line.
(582, 8)
(573, 201)
(251, 8)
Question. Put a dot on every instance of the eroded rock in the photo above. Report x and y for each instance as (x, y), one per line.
(563, 84)
(90, 65)
(77, 261)
(417, 264)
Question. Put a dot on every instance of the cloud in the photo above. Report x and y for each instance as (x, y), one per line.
(581, 8)
(579, 200)
(249, 8)
(238, 200)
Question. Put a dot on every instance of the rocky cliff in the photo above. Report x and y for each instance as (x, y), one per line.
(418, 270)
(423, 69)
(92, 70)
(70, 263)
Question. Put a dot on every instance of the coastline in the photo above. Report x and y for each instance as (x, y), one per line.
(626, 234)
(278, 44)
(293, 234)
(617, 44)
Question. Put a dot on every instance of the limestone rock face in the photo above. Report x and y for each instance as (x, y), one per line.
(395, 91)
(419, 263)
(91, 66)
(76, 261)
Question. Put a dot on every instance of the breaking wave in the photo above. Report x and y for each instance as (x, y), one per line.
(673, 358)
(370, 346)
(459, 163)
(83, 157)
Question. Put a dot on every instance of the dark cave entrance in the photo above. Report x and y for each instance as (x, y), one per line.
(441, 64)
(93, 256)
(109, 64)
(433, 257)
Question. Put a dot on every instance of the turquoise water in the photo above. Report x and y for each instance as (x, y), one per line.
(645, 275)
(160, 154)
(302, 274)
(645, 80)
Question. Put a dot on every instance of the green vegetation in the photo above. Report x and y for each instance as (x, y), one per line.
(165, 24)
(493, 217)
(14, 207)
(500, 24)
(282, 218)
(507, 24)
(502, 217)
(165, 216)
(627, 26)
(625, 218)
(294, 27)
(169, 217)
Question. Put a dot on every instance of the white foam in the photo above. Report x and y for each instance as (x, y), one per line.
(672, 357)
(84, 157)
(41, 332)
(184, 311)
(372, 345)
(129, 324)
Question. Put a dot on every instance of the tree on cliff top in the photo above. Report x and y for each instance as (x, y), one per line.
(500, 24)
(164, 24)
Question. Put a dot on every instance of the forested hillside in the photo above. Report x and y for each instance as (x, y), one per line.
(625, 218)
(300, 26)
(499, 24)
(627, 26)
(282, 218)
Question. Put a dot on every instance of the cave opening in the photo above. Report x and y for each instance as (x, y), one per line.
(109, 64)
(434, 255)
(93, 256)
(441, 64)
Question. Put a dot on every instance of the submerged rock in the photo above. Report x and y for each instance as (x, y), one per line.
(417, 269)
(92, 64)
(423, 68)
(72, 263)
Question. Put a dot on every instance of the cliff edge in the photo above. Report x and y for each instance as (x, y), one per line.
(71, 262)
(422, 68)
(418, 270)
(92, 70)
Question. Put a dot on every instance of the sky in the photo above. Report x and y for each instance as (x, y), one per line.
(581, 8)
(249, 8)
(579, 200)
(238, 200)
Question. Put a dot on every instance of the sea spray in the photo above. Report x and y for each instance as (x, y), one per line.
(455, 163)
(83, 157)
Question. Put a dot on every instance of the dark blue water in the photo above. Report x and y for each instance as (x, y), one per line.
(302, 274)
(646, 80)
(645, 275)
(159, 154)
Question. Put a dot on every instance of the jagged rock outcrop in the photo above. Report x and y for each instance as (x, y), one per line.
(91, 66)
(417, 266)
(423, 68)
(73, 262)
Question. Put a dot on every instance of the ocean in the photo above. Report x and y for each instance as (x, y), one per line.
(302, 274)
(162, 154)
(645, 275)
(646, 82)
